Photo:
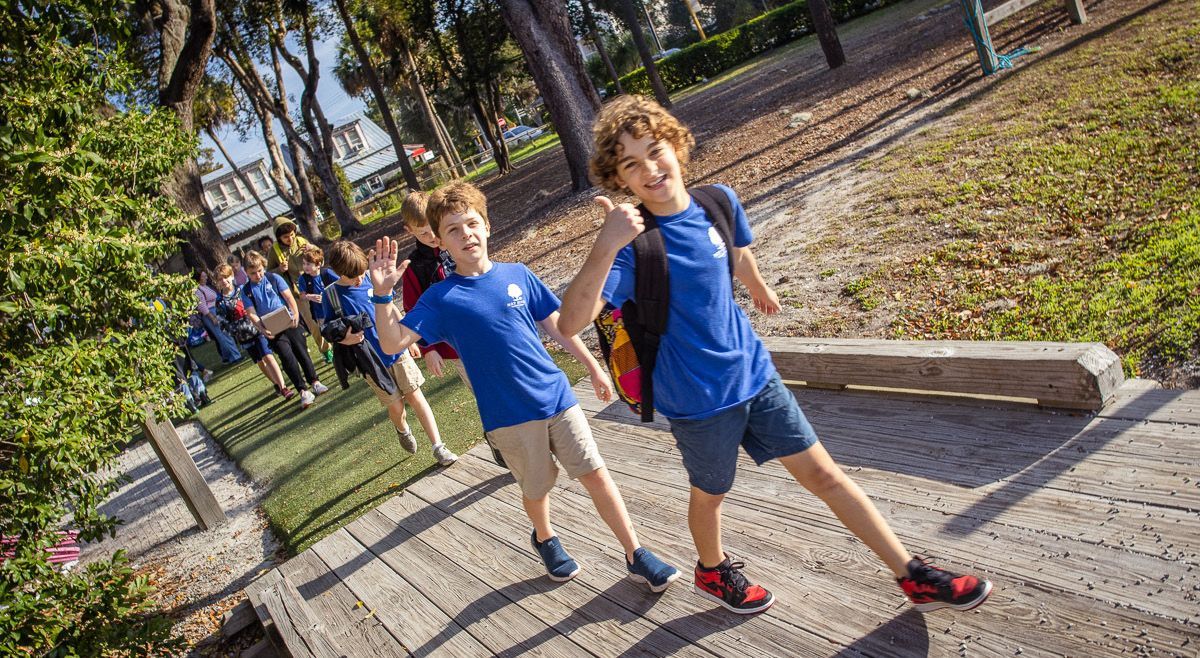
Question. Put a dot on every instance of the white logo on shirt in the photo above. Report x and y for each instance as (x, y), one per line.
(715, 238)
(518, 298)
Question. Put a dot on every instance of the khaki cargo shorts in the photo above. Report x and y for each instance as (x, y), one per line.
(408, 379)
(530, 450)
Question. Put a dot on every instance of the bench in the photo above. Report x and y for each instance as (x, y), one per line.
(1058, 375)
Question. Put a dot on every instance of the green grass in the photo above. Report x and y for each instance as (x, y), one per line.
(1068, 207)
(528, 150)
(329, 464)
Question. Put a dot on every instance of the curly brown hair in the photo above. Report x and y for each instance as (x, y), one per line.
(638, 116)
(456, 197)
(313, 254)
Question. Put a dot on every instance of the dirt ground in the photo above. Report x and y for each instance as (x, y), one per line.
(908, 66)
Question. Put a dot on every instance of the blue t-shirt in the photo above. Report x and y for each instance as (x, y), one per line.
(355, 300)
(315, 285)
(264, 296)
(490, 320)
(710, 359)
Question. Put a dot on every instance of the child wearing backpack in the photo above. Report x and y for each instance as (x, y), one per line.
(490, 313)
(348, 298)
(235, 321)
(426, 266)
(712, 377)
(311, 283)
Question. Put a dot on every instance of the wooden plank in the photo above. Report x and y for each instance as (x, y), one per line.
(408, 616)
(1083, 375)
(1076, 11)
(254, 595)
(296, 623)
(1131, 579)
(1139, 401)
(182, 470)
(829, 550)
(459, 582)
(684, 621)
(797, 567)
(238, 619)
(348, 622)
(1005, 10)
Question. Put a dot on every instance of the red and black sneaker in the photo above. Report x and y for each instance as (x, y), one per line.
(930, 588)
(726, 585)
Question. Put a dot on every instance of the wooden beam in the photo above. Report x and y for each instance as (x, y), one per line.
(300, 629)
(975, 17)
(1007, 9)
(182, 469)
(1076, 11)
(1064, 375)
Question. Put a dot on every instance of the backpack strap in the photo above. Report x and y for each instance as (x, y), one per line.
(720, 212)
(648, 311)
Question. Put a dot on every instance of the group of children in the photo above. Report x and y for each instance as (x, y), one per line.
(713, 379)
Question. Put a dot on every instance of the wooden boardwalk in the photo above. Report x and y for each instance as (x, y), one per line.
(1087, 524)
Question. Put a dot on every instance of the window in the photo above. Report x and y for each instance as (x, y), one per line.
(258, 177)
(233, 191)
(217, 199)
(375, 183)
(348, 142)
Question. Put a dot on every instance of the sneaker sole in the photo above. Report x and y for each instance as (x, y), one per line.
(447, 462)
(645, 581)
(563, 579)
(969, 605)
(740, 611)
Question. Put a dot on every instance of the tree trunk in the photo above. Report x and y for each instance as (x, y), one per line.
(543, 32)
(826, 34)
(385, 110)
(449, 153)
(629, 16)
(488, 125)
(319, 147)
(185, 33)
(212, 134)
(598, 40)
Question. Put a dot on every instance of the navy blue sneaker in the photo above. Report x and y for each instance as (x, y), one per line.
(647, 568)
(559, 566)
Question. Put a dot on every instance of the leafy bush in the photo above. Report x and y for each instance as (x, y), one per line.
(83, 346)
(726, 50)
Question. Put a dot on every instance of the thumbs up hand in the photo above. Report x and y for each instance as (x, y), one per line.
(622, 223)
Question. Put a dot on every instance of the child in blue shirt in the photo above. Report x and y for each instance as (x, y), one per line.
(490, 314)
(266, 292)
(713, 379)
(311, 283)
(353, 291)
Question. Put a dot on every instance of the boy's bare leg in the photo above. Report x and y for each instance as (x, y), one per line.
(396, 413)
(611, 507)
(424, 413)
(816, 471)
(538, 511)
(270, 370)
(704, 520)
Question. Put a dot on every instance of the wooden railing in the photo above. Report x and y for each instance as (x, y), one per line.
(1061, 375)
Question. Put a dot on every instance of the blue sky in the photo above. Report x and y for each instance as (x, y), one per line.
(335, 102)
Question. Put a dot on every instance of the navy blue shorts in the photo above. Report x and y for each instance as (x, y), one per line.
(769, 426)
(257, 348)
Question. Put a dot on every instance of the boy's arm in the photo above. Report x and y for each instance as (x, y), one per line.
(583, 301)
(385, 274)
(601, 384)
(745, 268)
(288, 299)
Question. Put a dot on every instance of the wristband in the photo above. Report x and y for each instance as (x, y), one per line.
(384, 299)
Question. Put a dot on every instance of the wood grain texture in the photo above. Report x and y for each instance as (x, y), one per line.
(1078, 375)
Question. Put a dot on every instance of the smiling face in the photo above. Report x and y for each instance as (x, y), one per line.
(464, 235)
(310, 268)
(649, 169)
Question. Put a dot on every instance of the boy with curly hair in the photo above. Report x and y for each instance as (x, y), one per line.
(713, 379)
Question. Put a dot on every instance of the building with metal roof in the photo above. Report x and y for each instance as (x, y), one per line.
(362, 149)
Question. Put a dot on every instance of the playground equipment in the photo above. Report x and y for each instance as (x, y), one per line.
(978, 21)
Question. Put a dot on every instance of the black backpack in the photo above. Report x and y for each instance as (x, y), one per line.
(629, 336)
